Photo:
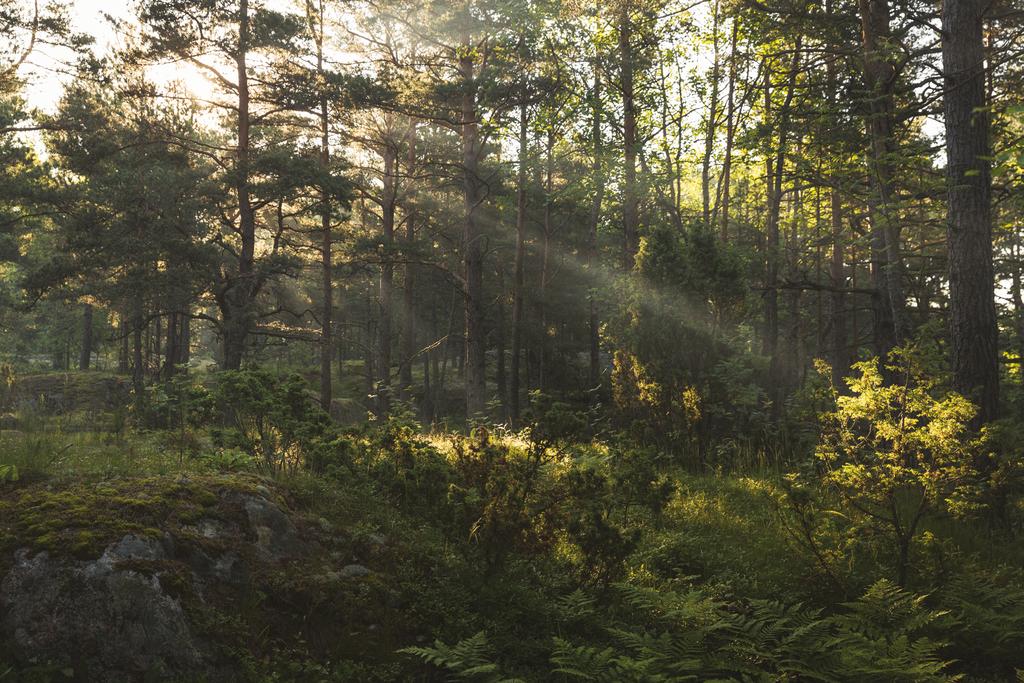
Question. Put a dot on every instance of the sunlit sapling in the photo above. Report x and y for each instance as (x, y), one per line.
(896, 452)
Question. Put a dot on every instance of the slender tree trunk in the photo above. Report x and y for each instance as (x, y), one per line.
(326, 239)
(545, 262)
(840, 354)
(630, 194)
(883, 329)
(172, 353)
(775, 171)
(238, 302)
(793, 360)
(475, 357)
(186, 336)
(880, 83)
(837, 272)
(597, 173)
(711, 123)
(387, 277)
(408, 334)
(974, 336)
(124, 357)
(138, 362)
(730, 134)
(515, 373)
(1017, 297)
(85, 357)
(501, 377)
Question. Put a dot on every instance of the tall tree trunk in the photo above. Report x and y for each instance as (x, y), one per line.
(880, 83)
(501, 377)
(172, 352)
(326, 241)
(775, 171)
(630, 193)
(597, 199)
(519, 265)
(974, 336)
(408, 334)
(545, 261)
(792, 362)
(840, 354)
(730, 134)
(85, 358)
(238, 314)
(473, 260)
(157, 339)
(883, 329)
(837, 272)
(138, 362)
(185, 328)
(1017, 297)
(711, 122)
(124, 357)
(387, 277)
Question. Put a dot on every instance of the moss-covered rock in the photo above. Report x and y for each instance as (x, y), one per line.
(58, 393)
(176, 578)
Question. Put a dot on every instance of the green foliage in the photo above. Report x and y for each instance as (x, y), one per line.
(986, 624)
(682, 379)
(467, 660)
(178, 403)
(271, 416)
(894, 452)
(690, 636)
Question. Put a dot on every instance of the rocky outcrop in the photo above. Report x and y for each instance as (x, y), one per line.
(107, 587)
(106, 622)
(60, 393)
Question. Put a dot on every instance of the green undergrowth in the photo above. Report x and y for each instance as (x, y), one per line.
(532, 556)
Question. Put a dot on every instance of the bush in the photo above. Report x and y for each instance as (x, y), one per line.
(271, 416)
(894, 452)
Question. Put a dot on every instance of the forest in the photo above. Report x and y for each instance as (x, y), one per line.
(511, 340)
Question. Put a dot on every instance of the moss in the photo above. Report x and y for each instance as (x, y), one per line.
(82, 519)
(302, 607)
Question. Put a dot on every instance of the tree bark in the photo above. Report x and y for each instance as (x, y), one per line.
(326, 241)
(775, 170)
(123, 358)
(840, 354)
(519, 264)
(545, 262)
(880, 83)
(730, 134)
(475, 358)
(974, 336)
(597, 173)
(630, 194)
(387, 277)
(408, 334)
(85, 358)
(237, 299)
(712, 120)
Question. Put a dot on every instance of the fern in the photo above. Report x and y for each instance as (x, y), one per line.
(690, 636)
(575, 607)
(988, 619)
(467, 660)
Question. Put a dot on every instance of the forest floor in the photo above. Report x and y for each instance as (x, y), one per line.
(229, 573)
